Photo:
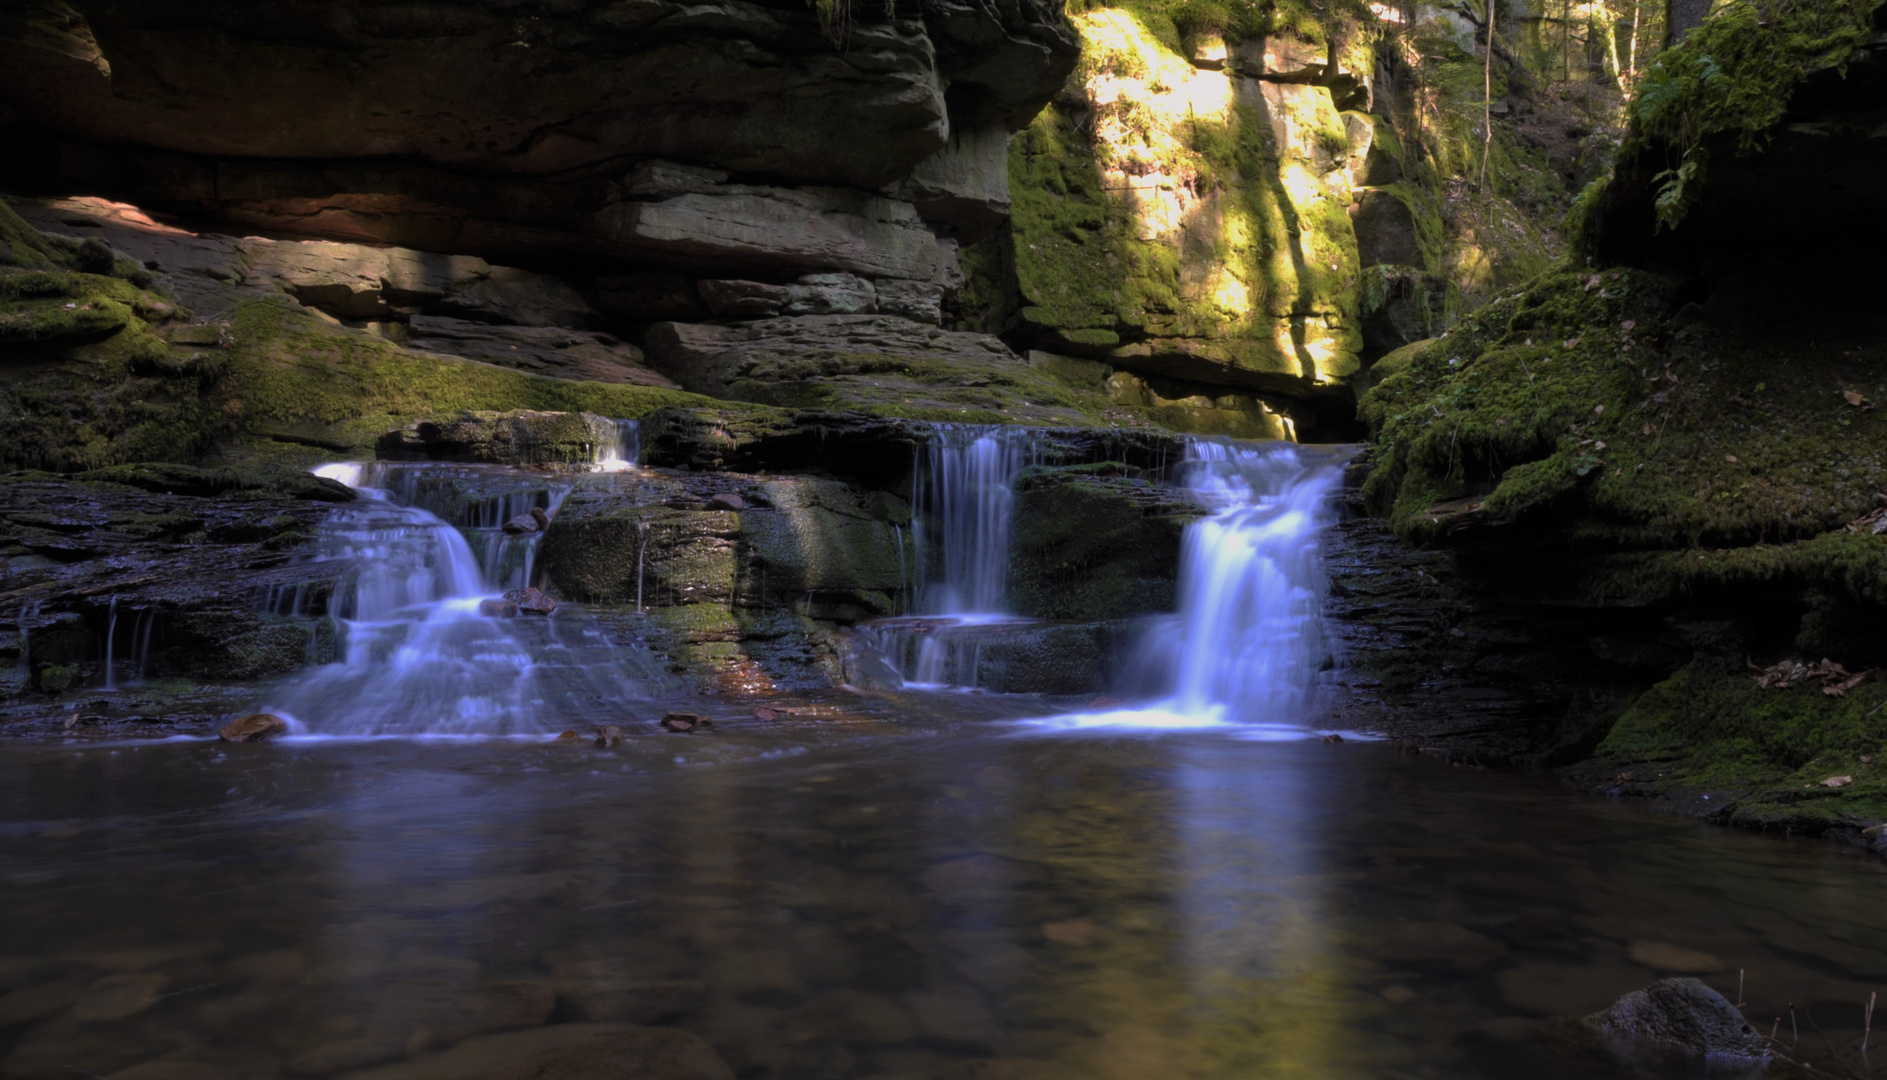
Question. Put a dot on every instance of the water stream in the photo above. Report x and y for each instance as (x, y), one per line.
(425, 645)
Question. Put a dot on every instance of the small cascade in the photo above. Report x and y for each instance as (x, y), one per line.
(1248, 642)
(418, 652)
(619, 446)
(111, 632)
(963, 501)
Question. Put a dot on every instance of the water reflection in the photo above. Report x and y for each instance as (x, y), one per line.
(874, 900)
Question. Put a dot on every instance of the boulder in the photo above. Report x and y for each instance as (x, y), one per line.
(1681, 1022)
(523, 523)
(254, 728)
(532, 600)
(582, 1051)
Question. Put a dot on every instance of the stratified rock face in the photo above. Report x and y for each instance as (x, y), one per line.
(474, 126)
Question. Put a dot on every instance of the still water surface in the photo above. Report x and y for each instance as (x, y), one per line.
(877, 900)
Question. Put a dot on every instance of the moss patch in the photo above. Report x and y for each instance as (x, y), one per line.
(296, 378)
(1764, 752)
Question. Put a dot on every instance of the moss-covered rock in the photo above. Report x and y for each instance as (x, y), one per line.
(1094, 542)
(1197, 215)
(295, 378)
(1763, 756)
(518, 437)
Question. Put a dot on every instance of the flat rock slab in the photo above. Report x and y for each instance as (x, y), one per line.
(568, 1052)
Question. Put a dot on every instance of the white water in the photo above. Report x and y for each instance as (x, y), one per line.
(964, 504)
(1247, 644)
(416, 656)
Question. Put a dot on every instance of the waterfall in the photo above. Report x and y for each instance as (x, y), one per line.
(1248, 642)
(420, 652)
(619, 446)
(963, 505)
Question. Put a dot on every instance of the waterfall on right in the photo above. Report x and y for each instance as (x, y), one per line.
(1247, 643)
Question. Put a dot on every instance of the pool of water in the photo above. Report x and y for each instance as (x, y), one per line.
(876, 899)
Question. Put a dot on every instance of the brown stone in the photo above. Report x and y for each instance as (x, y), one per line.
(115, 997)
(541, 516)
(686, 721)
(727, 500)
(253, 728)
(532, 600)
(569, 736)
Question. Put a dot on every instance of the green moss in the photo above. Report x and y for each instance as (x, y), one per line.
(1526, 381)
(1734, 75)
(293, 377)
(1709, 727)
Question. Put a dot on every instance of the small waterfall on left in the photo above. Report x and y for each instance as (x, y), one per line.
(423, 649)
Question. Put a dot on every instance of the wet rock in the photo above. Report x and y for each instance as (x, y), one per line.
(766, 714)
(727, 500)
(519, 437)
(568, 737)
(1680, 1022)
(630, 1001)
(607, 736)
(541, 516)
(1094, 542)
(498, 609)
(253, 728)
(1333, 737)
(38, 1002)
(856, 1017)
(582, 1051)
(411, 1017)
(532, 600)
(523, 523)
(686, 721)
(955, 1015)
(115, 997)
(176, 1070)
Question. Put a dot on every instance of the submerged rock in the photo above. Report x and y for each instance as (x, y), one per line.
(1677, 1022)
(253, 728)
(567, 1052)
(682, 722)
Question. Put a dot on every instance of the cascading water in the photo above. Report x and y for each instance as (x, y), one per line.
(963, 507)
(963, 497)
(418, 652)
(1248, 642)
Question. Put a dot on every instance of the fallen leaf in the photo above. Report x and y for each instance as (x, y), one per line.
(1598, 410)
(1598, 446)
(1647, 429)
(1629, 324)
(1853, 398)
(1837, 781)
(1731, 458)
(1573, 343)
